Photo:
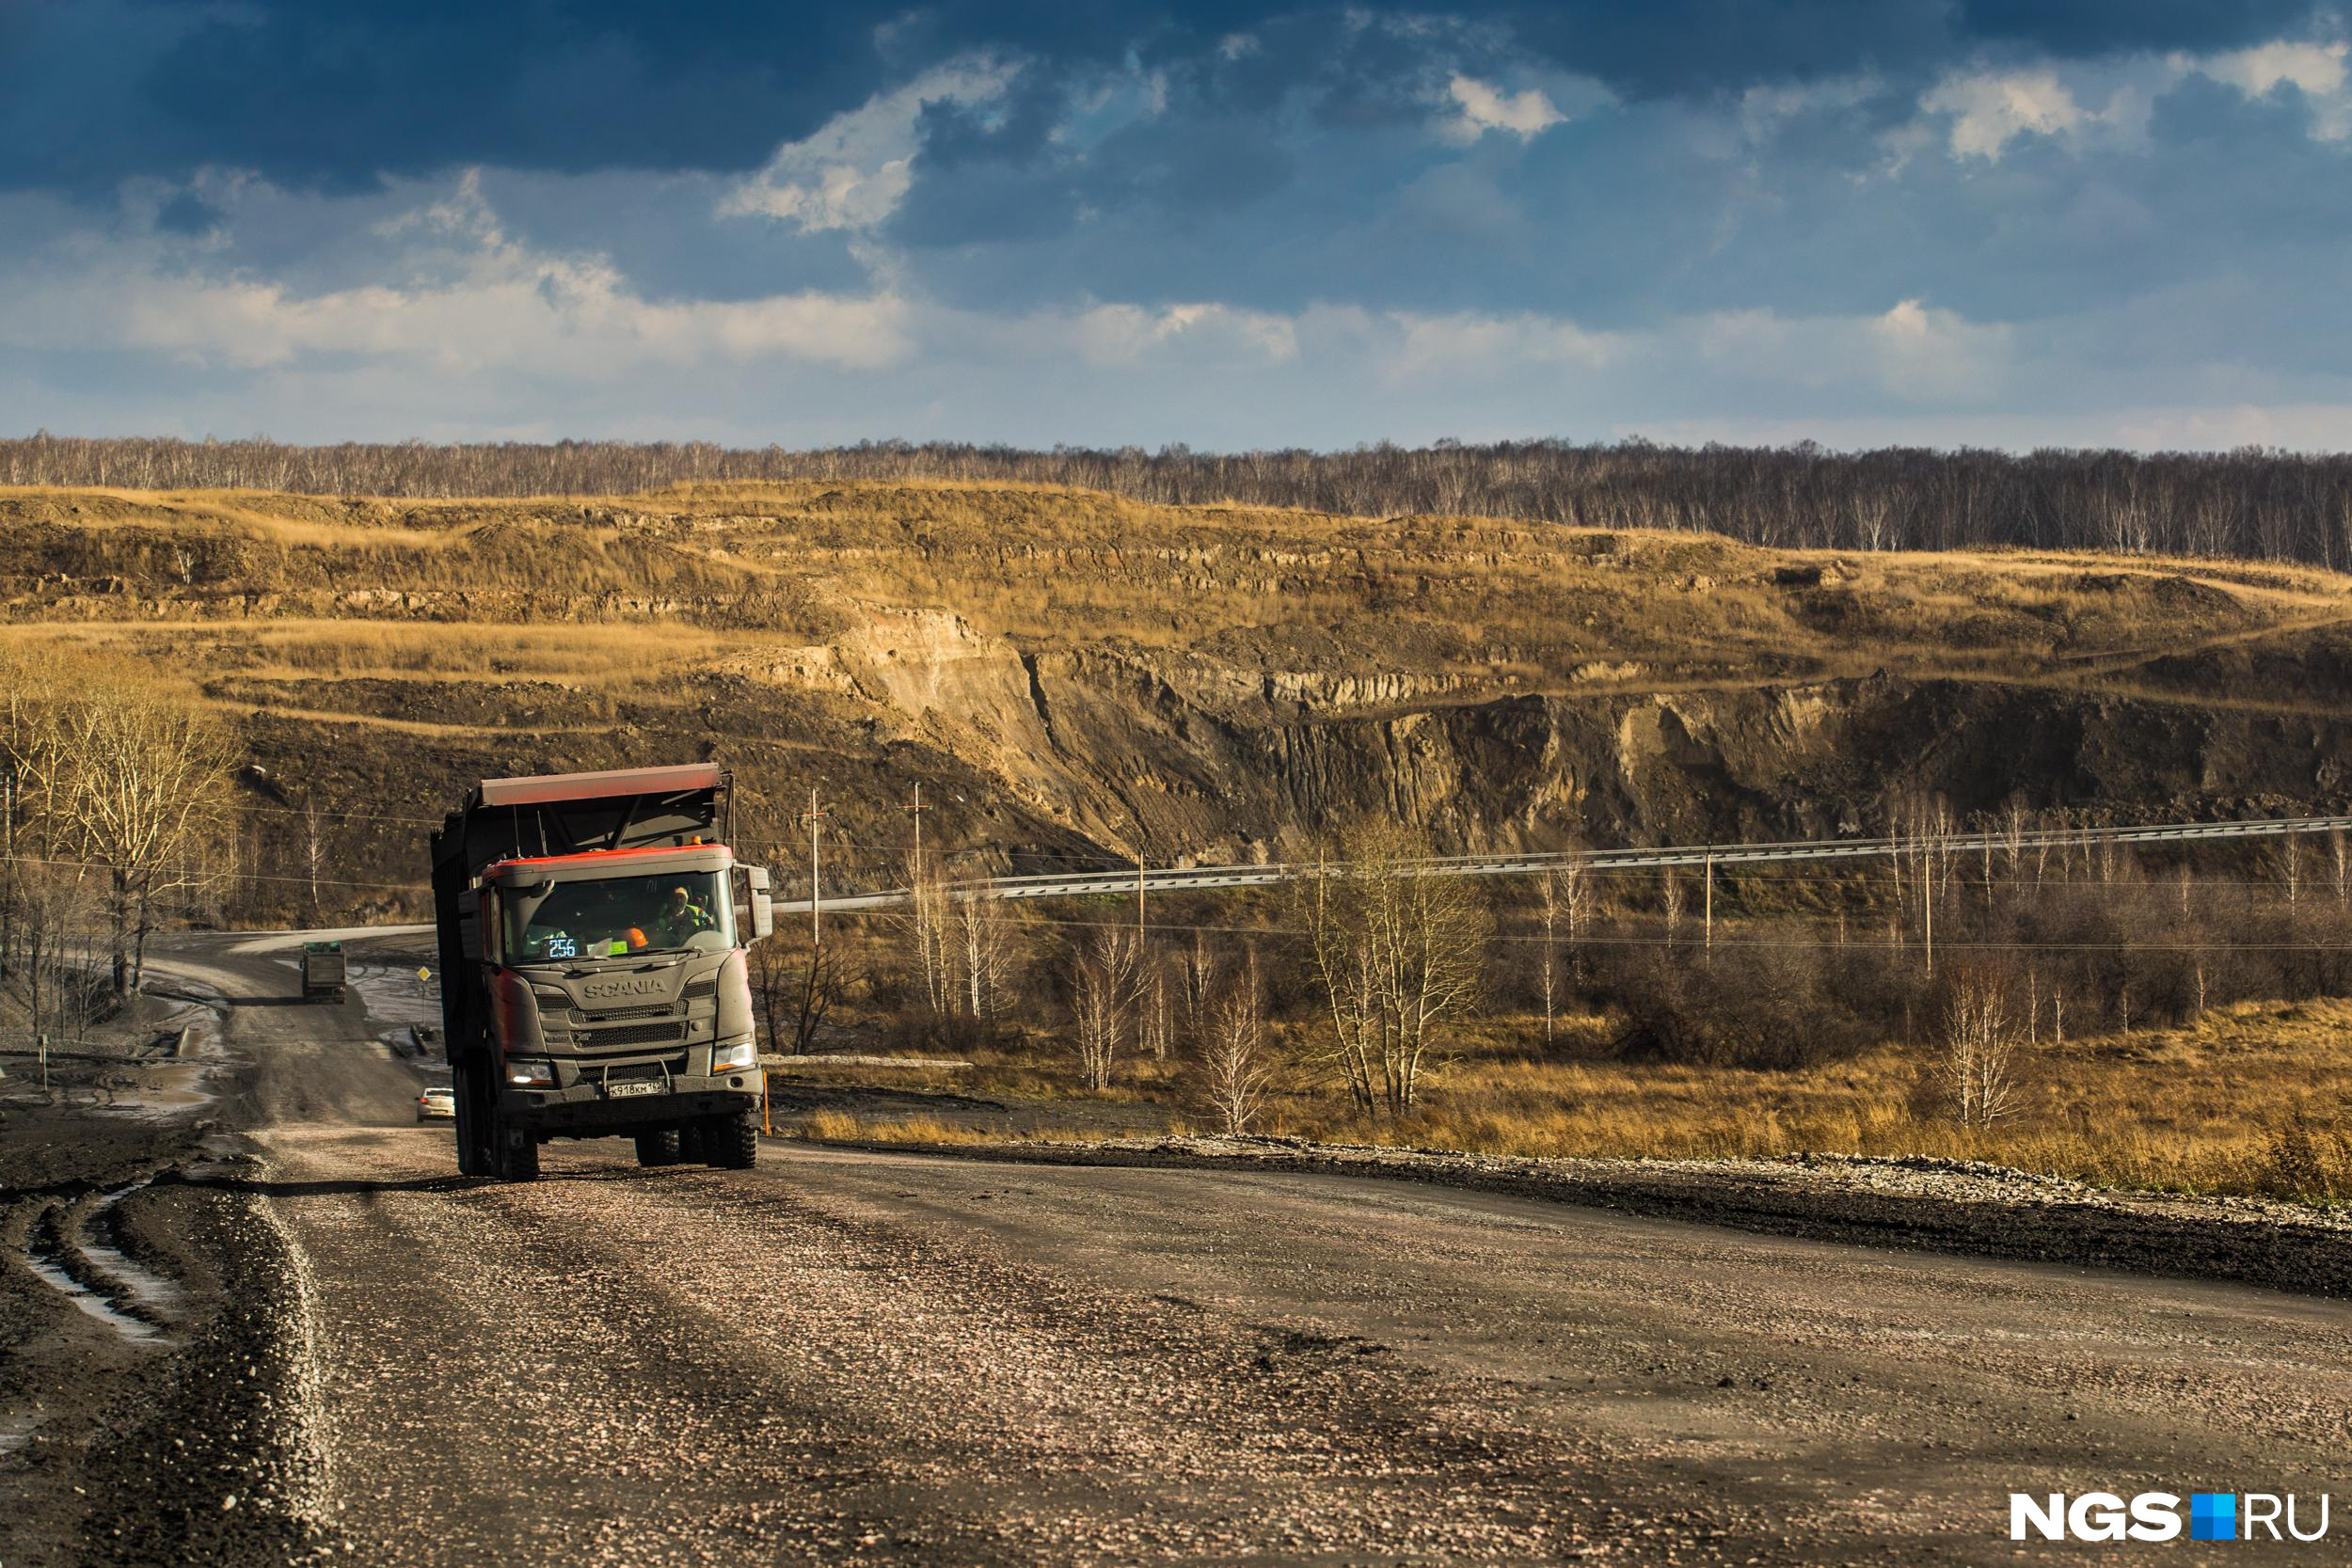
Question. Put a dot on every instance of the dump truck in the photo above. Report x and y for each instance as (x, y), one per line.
(323, 972)
(593, 929)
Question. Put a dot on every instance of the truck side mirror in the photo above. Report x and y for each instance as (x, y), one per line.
(763, 906)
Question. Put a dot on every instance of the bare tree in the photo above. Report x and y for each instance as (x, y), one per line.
(149, 777)
(1199, 978)
(1979, 1045)
(2285, 860)
(1237, 1069)
(987, 942)
(1155, 1006)
(1103, 972)
(1396, 950)
(797, 984)
(313, 848)
(1564, 895)
(923, 926)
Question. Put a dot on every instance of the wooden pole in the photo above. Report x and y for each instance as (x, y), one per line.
(1710, 901)
(815, 818)
(917, 812)
(1927, 906)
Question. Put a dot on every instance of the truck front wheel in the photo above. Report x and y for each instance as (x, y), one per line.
(517, 1155)
(658, 1148)
(733, 1142)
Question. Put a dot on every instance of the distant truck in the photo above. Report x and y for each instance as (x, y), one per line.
(323, 972)
(592, 931)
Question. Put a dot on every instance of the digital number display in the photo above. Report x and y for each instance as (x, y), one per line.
(562, 947)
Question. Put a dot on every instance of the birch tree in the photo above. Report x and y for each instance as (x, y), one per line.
(1396, 949)
(1102, 971)
(149, 777)
(1237, 1069)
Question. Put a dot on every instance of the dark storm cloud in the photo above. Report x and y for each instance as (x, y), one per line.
(336, 96)
(2100, 27)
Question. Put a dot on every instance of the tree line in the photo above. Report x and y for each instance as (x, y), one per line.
(2253, 503)
(1363, 984)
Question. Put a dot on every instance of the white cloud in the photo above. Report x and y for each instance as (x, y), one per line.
(1991, 109)
(1108, 335)
(2110, 103)
(2316, 71)
(1481, 107)
(854, 170)
(1925, 354)
(489, 304)
(1467, 343)
(1913, 353)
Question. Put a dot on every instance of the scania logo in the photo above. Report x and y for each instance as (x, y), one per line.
(623, 988)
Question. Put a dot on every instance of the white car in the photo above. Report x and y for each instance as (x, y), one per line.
(437, 1103)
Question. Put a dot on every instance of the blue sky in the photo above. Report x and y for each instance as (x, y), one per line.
(1990, 222)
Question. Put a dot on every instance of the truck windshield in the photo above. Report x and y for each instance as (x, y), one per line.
(614, 916)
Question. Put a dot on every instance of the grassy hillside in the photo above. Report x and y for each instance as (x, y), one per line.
(1070, 673)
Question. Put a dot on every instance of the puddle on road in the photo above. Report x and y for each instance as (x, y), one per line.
(147, 1289)
(136, 1330)
(48, 1263)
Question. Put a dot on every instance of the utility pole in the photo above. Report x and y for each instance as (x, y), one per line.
(1710, 901)
(7, 893)
(814, 816)
(917, 812)
(1927, 909)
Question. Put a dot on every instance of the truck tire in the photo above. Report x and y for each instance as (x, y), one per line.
(734, 1141)
(517, 1155)
(657, 1148)
(691, 1143)
(476, 1128)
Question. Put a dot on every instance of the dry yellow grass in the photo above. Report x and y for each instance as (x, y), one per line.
(832, 1126)
(2255, 1098)
(1498, 603)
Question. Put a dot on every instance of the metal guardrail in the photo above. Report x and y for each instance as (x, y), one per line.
(1185, 878)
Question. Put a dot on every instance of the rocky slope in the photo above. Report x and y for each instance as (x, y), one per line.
(1066, 672)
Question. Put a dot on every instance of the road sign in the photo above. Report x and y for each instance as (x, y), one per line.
(423, 976)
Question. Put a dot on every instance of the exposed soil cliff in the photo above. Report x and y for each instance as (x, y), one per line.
(1066, 671)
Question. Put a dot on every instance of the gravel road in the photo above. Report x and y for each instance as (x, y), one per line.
(871, 1357)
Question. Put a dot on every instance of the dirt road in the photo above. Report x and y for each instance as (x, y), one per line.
(848, 1357)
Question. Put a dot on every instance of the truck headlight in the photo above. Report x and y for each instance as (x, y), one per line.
(734, 1058)
(530, 1074)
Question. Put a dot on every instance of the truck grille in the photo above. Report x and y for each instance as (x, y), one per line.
(659, 1009)
(697, 989)
(635, 1033)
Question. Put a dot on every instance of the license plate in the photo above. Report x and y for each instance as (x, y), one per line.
(614, 1091)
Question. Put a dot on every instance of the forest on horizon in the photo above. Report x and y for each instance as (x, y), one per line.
(2253, 503)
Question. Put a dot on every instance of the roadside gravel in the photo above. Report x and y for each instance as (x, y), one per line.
(1929, 1205)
